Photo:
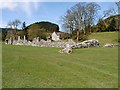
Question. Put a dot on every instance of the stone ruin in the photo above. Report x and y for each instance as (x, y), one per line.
(68, 46)
(67, 49)
(36, 42)
(20, 41)
(49, 43)
(88, 43)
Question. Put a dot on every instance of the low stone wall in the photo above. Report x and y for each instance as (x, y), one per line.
(67, 46)
(111, 45)
(49, 43)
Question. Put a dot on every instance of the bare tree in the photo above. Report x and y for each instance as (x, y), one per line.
(80, 16)
(117, 24)
(107, 13)
(118, 5)
(92, 10)
(16, 23)
(13, 25)
(68, 21)
(10, 24)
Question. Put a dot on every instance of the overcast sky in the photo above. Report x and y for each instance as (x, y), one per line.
(31, 12)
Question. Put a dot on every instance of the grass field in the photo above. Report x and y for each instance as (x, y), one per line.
(41, 67)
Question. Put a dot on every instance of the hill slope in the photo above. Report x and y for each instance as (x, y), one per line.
(105, 37)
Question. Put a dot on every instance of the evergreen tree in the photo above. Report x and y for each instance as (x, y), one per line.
(112, 25)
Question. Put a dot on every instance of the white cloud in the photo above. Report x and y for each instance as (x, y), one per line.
(8, 5)
(29, 7)
(26, 6)
(36, 6)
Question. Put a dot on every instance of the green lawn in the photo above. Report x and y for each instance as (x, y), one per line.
(42, 67)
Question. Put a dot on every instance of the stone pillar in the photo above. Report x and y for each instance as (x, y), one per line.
(10, 40)
(24, 38)
(37, 39)
(18, 38)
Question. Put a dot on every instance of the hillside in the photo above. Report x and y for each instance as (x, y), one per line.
(109, 24)
(105, 37)
(47, 26)
(41, 29)
(116, 17)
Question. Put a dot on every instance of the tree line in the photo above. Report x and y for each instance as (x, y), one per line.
(38, 29)
(79, 21)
